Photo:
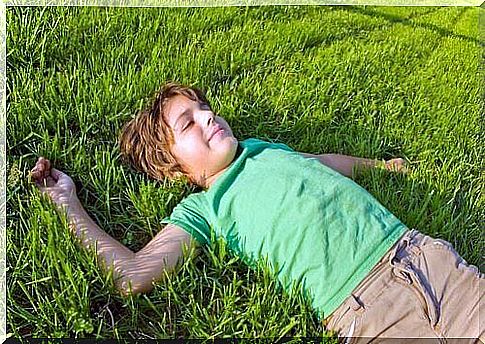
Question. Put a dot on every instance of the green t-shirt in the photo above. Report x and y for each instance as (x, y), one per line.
(313, 225)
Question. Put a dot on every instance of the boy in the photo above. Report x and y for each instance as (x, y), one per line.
(365, 272)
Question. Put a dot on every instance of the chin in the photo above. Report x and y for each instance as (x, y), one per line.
(228, 143)
(234, 141)
(229, 149)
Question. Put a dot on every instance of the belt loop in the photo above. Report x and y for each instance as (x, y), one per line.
(401, 244)
(416, 239)
(356, 304)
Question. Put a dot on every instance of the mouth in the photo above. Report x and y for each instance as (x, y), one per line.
(216, 131)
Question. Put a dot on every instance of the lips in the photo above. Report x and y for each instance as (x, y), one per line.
(215, 131)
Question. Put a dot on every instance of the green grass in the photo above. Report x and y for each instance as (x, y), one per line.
(376, 82)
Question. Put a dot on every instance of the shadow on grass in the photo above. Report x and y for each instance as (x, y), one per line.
(408, 22)
(332, 38)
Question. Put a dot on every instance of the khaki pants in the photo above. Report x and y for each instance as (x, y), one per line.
(421, 288)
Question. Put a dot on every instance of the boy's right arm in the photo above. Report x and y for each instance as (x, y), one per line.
(133, 271)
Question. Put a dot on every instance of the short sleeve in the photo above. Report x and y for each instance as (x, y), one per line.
(282, 146)
(189, 216)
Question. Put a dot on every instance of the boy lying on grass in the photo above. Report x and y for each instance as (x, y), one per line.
(364, 271)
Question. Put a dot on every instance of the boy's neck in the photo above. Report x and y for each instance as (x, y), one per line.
(212, 179)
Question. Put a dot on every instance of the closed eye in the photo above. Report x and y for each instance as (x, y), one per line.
(188, 125)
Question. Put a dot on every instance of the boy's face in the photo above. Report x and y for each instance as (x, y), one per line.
(203, 143)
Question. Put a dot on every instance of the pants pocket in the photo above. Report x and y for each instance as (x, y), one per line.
(346, 322)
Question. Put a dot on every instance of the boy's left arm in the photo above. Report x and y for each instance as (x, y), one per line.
(346, 165)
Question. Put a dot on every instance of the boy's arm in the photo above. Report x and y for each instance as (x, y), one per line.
(132, 271)
(345, 164)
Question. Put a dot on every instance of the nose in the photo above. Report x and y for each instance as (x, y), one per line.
(210, 119)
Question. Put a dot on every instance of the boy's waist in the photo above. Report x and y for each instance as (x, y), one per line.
(375, 280)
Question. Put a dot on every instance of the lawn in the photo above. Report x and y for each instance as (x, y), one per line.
(376, 82)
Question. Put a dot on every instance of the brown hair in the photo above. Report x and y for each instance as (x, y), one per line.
(145, 140)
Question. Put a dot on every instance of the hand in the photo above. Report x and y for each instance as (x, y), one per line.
(56, 184)
(396, 165)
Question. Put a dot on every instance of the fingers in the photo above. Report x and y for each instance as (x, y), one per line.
(396, 165)
(44, 175)
(41, 170)
(56, 179)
